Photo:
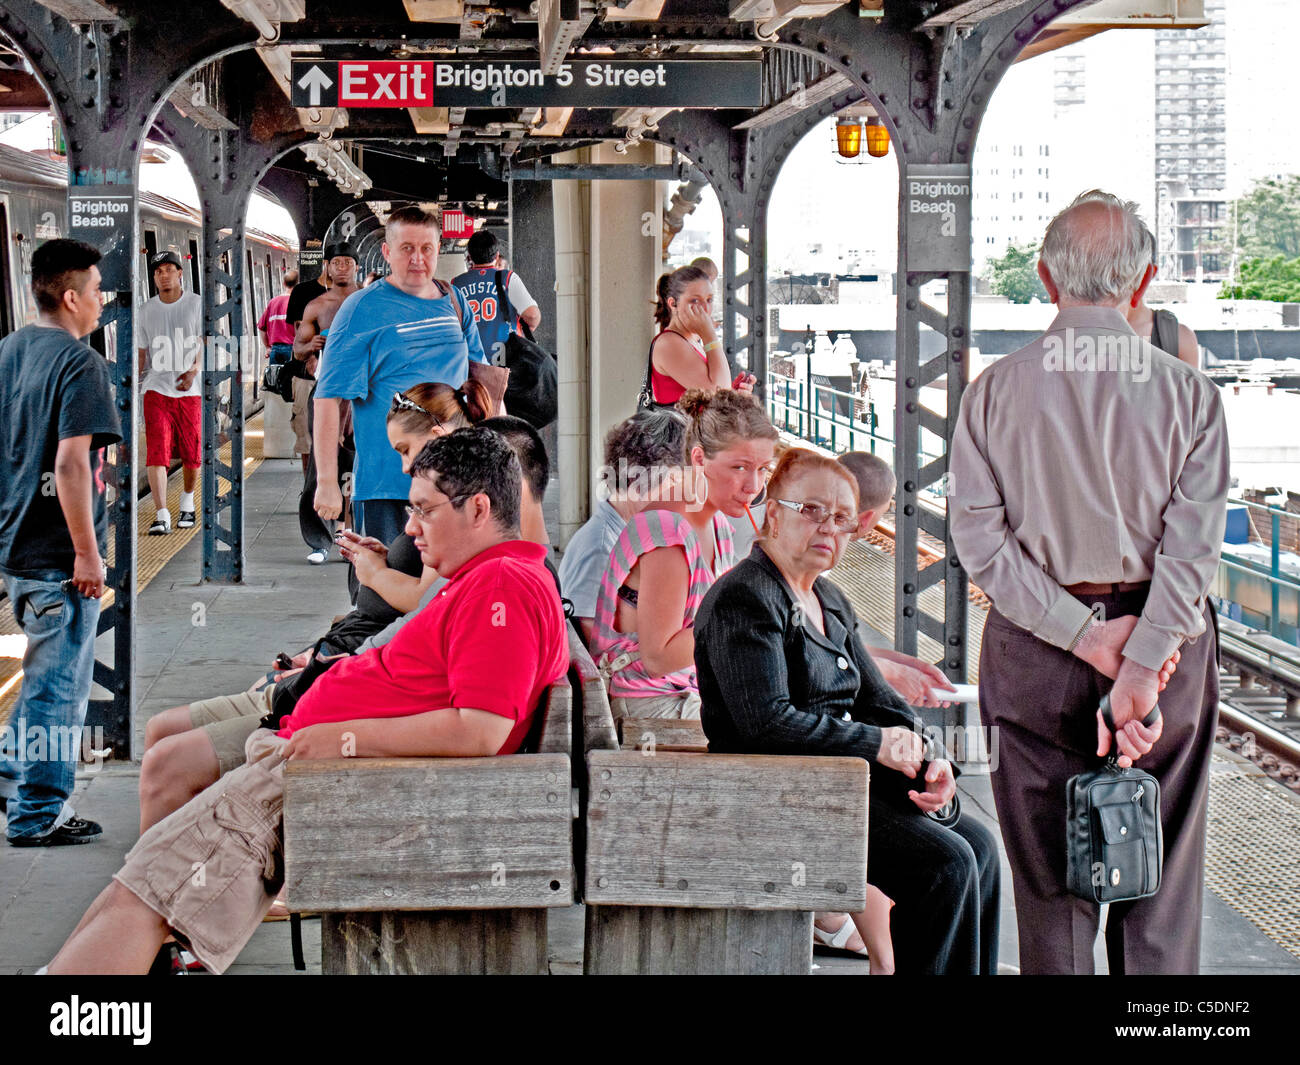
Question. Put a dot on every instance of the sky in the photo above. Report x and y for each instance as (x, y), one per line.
(821, 203)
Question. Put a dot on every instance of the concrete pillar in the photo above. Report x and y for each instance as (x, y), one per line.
(607, 259)
(626, 223)
(570, 206)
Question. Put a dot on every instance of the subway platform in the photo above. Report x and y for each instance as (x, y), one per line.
(196, 641)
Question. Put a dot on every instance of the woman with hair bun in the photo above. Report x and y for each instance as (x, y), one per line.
(686, 352)
(668, 556)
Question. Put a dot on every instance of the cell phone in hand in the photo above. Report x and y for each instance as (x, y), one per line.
(283, 661)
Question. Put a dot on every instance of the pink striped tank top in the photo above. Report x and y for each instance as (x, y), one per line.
(645, 532)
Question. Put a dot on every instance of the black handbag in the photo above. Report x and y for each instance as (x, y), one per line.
(533, 391)
(1114, 841)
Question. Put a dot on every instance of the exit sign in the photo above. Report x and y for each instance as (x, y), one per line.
(457, 224)
(613, 83)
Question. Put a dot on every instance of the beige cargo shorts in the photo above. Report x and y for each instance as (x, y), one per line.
(212, 869)
(229, 720)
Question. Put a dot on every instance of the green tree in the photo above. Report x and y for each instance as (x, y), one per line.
(1276, 279)
(1268, 218)
(1015, 274)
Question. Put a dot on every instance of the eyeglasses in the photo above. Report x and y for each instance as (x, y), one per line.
(422, 513)
(400, 402)
(818, 514)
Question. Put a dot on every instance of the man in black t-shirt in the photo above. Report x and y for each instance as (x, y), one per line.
(303, 293)
(59, 415)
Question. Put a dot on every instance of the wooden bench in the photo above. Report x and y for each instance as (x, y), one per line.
(435, 865)
(662, 734)
(711, 863)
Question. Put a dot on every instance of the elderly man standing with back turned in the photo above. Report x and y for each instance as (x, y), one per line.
(1090, 474)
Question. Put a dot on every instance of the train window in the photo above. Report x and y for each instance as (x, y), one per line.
(194, 264)
(150, 250)
(6, 305)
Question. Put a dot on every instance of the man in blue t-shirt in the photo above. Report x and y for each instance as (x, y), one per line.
(385, 339)
(490, 306)
(59, 415)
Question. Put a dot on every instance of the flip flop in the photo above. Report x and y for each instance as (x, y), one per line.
(833, 943)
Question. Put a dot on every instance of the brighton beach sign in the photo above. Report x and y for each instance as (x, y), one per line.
(480, 83)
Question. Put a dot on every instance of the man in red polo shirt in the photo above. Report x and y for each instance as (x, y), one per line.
(462, 678)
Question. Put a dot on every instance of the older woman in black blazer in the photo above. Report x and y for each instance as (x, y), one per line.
(782, 670)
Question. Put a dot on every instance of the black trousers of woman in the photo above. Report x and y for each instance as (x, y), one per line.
(946, 887)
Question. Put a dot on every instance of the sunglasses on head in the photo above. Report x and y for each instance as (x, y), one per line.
(400, 402)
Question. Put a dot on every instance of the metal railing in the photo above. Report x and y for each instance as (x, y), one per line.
(1276, 579)
(833, 419)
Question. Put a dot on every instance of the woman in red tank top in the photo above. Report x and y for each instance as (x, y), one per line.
(687, 353)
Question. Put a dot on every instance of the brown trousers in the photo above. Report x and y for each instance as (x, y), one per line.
(1042, 702)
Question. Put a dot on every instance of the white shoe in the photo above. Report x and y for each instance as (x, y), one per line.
(319, 558)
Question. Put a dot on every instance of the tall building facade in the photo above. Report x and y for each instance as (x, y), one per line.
(1193, 224)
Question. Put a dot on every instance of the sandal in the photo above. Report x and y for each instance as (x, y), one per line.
(833, 943)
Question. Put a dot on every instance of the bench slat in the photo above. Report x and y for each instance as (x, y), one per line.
(428, 833)
(598, 733)
(758, 832)
(662, 734)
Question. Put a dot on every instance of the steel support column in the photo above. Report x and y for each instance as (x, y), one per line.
(81, 70)
(226, 166)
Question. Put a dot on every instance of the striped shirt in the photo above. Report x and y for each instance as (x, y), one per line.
(645, 532)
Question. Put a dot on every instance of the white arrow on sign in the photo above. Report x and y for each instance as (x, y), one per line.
(314, 81)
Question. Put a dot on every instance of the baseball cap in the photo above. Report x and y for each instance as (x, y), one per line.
(166, 257)
(333, 251)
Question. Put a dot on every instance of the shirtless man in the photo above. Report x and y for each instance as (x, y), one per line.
(341, 278)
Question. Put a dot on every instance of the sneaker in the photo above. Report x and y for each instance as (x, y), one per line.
(160, 527)
(319, 558)
(186, 520)
(73, 830)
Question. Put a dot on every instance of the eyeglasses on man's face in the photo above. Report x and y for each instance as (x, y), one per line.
(818, 514)
(419, 513)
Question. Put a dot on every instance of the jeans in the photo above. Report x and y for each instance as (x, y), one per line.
(281, 353)
(40, 746)
(384, 519)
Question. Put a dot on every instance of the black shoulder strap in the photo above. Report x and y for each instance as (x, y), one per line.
(503, 295)
(1164, 332)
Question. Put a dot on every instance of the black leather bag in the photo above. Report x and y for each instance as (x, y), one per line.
(533, 391)
(1114, 840)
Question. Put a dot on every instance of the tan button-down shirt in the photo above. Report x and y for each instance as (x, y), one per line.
(1090, 455)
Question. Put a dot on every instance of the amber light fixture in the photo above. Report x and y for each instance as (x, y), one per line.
(848, 137)
(877, 138)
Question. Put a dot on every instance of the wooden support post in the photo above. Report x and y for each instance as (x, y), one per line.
(434, 943)
(672, 940)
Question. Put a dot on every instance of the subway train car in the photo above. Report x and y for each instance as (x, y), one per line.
(33, 208)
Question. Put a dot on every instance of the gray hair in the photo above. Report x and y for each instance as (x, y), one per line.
(642, 451)
(650, 440)
(1094, 260)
